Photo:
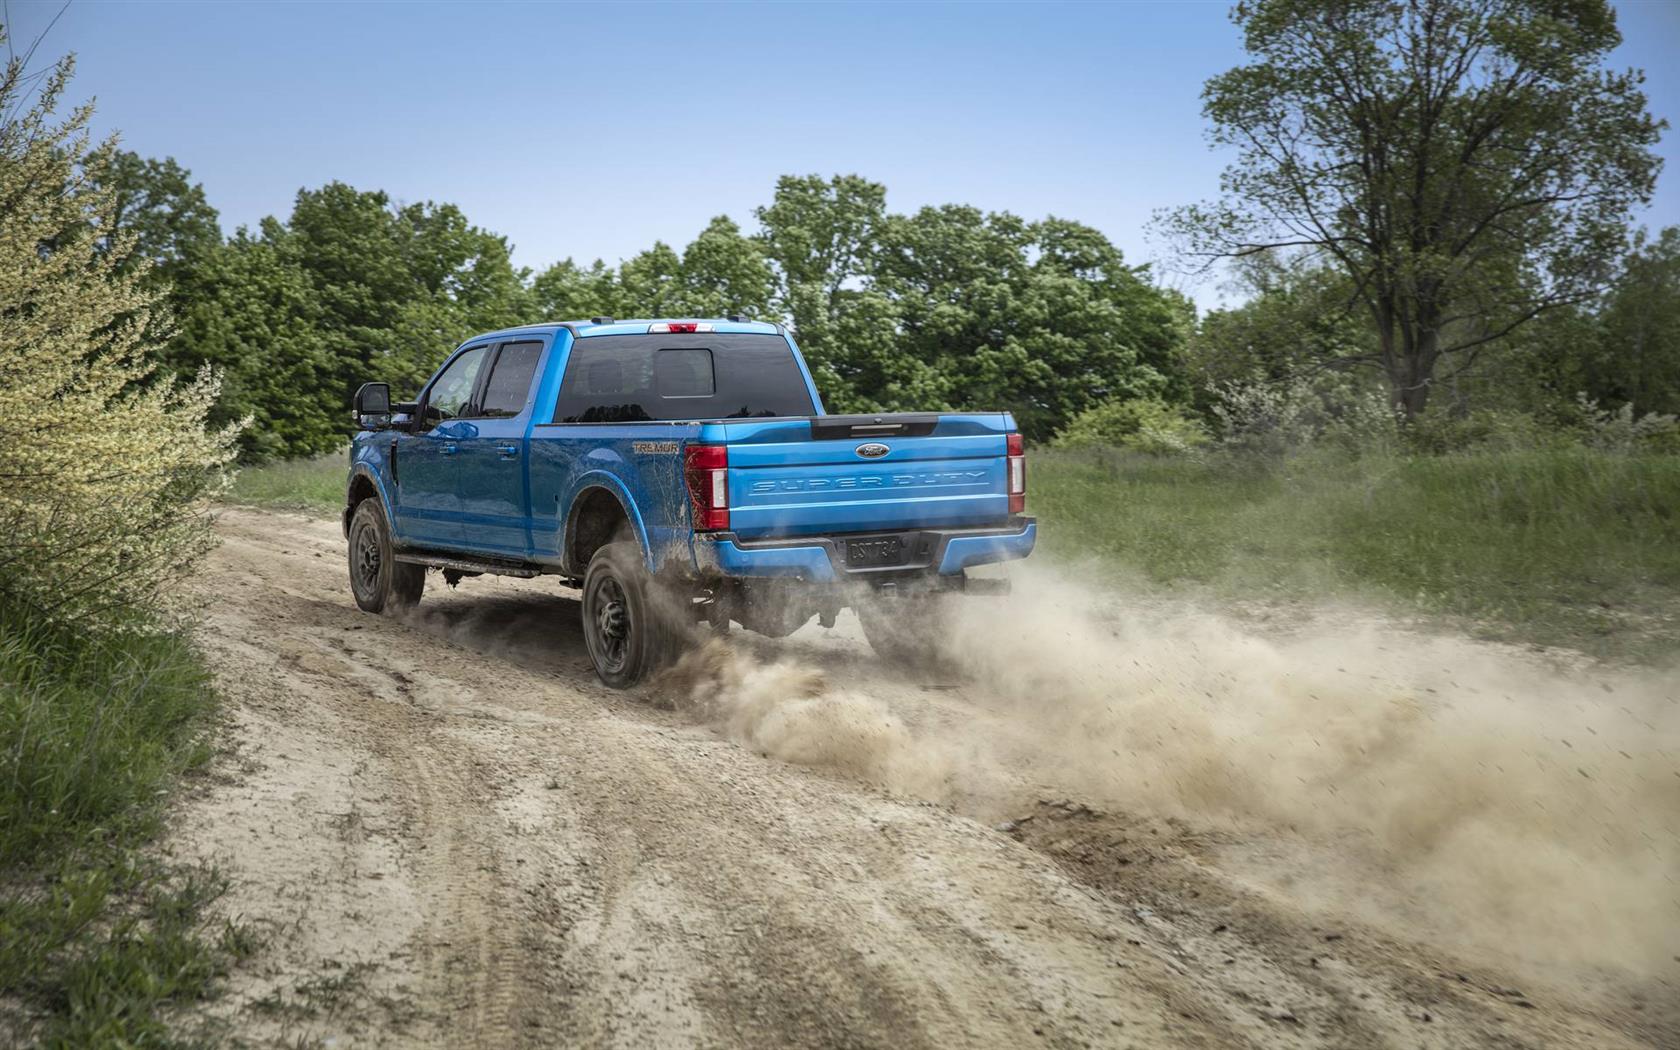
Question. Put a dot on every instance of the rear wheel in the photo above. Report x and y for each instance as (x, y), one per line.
(377, 579)
(905, 631)
(630, 624)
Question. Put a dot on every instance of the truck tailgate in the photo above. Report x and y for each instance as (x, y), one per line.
(801, 477)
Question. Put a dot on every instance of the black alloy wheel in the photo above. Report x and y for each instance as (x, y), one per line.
(377, 580)
(626, 626)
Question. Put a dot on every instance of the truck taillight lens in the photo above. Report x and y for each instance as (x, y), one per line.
(1017, 474)
(706, 469)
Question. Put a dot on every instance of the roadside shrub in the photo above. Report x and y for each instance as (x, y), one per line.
(1137, 425)
(1490, 430)
(101, 940)
(1620, 430)
(105, 473)
(1276, 419)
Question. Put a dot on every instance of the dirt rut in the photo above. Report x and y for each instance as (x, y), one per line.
(453, 836)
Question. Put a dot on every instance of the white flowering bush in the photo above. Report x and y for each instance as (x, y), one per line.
(1620, 430)
(106, 471)
(1266, 418)
(1279, 418)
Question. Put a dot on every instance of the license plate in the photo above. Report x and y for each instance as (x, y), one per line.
(867, 554)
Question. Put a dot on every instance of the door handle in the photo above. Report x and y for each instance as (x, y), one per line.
(449, 449)
(508, 451)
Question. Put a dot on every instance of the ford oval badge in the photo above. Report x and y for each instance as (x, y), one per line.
(872, 450)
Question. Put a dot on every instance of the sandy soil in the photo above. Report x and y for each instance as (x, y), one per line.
(452, 835)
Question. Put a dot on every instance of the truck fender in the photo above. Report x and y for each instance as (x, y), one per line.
(601, 479)
(366, 475)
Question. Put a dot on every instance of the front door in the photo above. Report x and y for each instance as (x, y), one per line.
(427, 463)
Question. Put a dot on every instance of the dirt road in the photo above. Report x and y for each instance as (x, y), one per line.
(451, 835)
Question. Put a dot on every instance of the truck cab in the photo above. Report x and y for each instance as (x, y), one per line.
(679, 472)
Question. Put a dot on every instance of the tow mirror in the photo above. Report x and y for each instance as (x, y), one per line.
(373, 399)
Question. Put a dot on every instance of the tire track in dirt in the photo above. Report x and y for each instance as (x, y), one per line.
(535, 860)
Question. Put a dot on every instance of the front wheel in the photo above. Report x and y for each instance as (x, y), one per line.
(630, 624)
(377, 579)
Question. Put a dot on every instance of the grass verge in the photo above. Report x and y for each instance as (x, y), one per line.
(99, 940)
(1568, 547)
(299, 484)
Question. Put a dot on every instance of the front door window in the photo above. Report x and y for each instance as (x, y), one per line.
(450, 395)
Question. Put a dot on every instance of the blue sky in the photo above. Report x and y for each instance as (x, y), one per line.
(592, 130)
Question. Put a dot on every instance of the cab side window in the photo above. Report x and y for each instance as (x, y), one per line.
(510, 380)
(452, 391)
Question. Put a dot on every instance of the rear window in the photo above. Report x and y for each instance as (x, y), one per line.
(639, 378)
(510, 381)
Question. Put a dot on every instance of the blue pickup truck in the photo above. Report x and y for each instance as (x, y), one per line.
(679, 473)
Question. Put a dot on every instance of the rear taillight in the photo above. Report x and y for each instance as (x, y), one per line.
(1017, 474)
(706, 469)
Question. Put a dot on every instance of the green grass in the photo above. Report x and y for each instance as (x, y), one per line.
(1565, 547)
(98, 938)
(299, 484)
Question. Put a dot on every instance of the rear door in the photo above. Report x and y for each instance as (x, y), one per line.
(428, 507)
(493, 479)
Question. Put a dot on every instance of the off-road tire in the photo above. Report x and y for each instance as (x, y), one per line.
(377, 580)
(905, 632)
(630, 625)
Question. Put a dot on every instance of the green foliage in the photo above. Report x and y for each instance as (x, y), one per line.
(1566, 546)
(311, 484)
(1139, 425)
(722, 272)
(1291, 416)
(96, 938)
(1297, 317)
(1638, 360)
(824, 238)
(955, 308)
(168, 214)
(1466, 164)
(1487, 430)
(106, 471)
(1043, 319)
(297, 314)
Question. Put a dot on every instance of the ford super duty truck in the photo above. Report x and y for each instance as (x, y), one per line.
(679, 473)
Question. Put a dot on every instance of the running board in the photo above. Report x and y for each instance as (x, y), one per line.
(497, 568)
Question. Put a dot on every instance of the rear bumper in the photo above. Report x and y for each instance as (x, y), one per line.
(822, 559)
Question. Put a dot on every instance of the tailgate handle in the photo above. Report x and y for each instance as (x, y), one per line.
(903, 424)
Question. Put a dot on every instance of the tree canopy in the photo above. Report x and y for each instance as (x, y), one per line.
(946, 308)
(1467, 164)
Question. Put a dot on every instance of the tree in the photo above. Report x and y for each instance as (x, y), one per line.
(722, 272)
(1041, 318)
(1466, 163)
(351, 288)
(168, 215)
(1639, 358)
(568, 292)
(1298, 319)
(105, 473)
(822, 237)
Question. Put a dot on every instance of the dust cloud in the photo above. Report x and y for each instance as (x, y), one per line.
(788, 711)
(1501, 799)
